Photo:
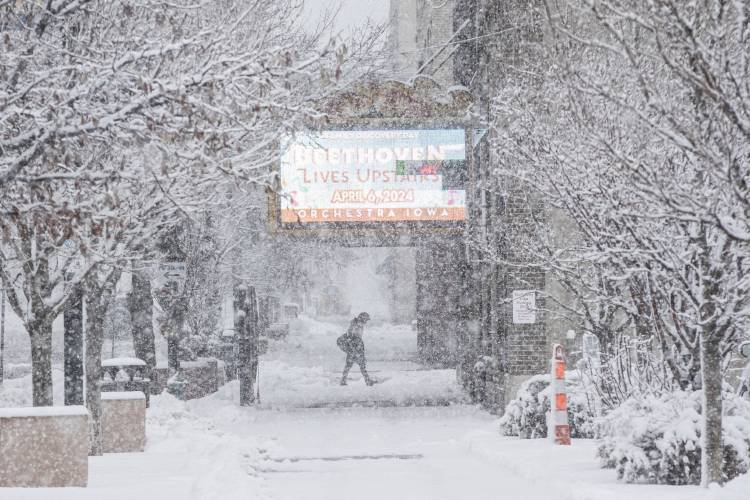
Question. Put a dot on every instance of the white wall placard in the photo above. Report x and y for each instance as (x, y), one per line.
(524, 307)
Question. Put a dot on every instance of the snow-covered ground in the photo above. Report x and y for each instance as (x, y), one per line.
(312, 439)
(304, 370)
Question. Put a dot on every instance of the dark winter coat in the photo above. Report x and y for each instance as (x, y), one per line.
(351, 342)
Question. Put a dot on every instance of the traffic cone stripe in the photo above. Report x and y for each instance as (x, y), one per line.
(560, 370)
(561, 402)
(562, 434)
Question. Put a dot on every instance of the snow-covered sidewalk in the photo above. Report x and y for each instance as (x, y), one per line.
(213, 449)
(572, 472)
(407, 453)
(186, 458)
(312, 439)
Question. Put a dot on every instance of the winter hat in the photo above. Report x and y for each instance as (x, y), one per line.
(363, 316)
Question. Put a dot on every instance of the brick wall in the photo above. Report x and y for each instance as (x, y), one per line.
(503, 37)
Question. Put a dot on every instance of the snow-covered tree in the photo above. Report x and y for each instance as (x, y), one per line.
(116, 117)
(231, 75)
(636, 131)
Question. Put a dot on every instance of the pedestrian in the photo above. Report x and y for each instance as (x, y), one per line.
(351, 343)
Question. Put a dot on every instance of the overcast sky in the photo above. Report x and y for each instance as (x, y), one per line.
(353, 12)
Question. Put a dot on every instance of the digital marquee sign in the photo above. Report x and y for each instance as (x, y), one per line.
(360, 176)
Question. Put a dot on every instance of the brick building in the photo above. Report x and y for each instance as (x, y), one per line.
(467, 316)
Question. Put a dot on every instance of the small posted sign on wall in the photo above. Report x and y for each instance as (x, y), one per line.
(524, 307)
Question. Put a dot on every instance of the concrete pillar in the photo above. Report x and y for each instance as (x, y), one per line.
(123, 422)
(44, 447)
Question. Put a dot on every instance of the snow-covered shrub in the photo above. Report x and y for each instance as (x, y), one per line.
(656, 439)
(194, 346)
(633, 368)
(525, 416)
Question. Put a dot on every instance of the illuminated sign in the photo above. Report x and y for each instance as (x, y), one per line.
(374, 176)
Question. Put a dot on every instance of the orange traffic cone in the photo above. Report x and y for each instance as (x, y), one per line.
(557, 425)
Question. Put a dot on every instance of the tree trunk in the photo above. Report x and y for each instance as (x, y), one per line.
(41, 363)
(94, 341)
(141, 309)
(73, 348)
(244, 317)
(712, 451)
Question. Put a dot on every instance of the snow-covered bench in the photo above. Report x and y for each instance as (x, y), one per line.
(123, 421)
(44, 446)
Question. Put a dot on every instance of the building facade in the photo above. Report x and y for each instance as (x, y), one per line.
(476, 324)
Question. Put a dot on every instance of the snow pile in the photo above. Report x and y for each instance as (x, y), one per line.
(569, 473)
(217, 467)
(739, 486)
(16, 370)
(526, 415)
(16, 392)
(657, 439)
(123, 362)
(44, 411)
